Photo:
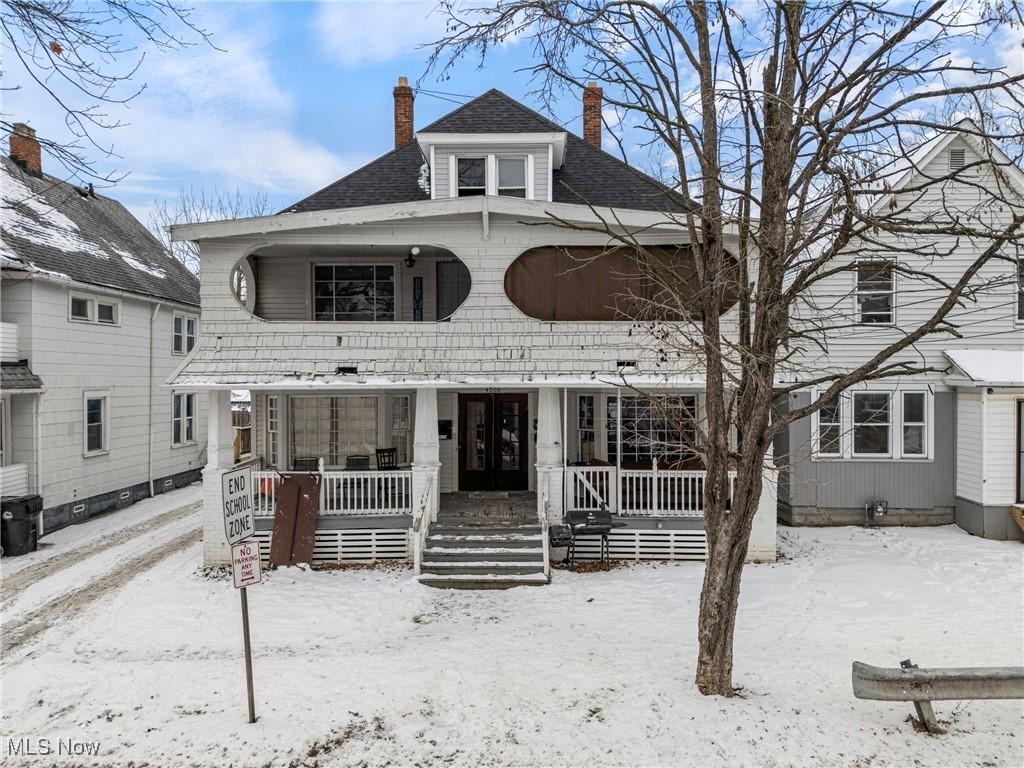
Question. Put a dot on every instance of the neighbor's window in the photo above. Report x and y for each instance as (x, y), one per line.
(914, 424)
(871, 423)
(353, 292)
(5, 452)
(472, 176)
(401, 424)
(183, 334)
(106, 312)
(664, 426)
(1020, 290)
(273, 431)
(585, 423)
(95, 423)
(512, 176)
(81, 309)
(830, 429)
(875, 292)
(183, 419)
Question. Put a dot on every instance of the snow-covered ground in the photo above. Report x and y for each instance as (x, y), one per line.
(371, 668)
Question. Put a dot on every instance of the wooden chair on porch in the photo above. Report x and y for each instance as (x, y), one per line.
(387, 461)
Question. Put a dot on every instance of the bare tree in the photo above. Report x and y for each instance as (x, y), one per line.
(787, 127)
(85, 56)
(192, 206)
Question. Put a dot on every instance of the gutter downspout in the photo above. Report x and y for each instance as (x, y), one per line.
(39, 457)
(152, 322)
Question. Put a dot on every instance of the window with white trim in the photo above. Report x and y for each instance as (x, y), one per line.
(183, 418)
(1020, 290)
(830, 427)
(585, 424)
(875, 425)
(273, 431)
(89, 309)
(471, 179)
(512, 176)
(183, 334)
(872, 421)
(876, 293)
(401, 428)
(95, 417)
(914, 420)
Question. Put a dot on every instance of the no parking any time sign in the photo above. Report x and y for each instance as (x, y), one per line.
(245, 564)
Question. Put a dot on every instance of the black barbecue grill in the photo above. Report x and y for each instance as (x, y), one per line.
(582, 522)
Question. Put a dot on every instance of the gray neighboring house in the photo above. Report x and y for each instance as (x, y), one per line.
(95, 315)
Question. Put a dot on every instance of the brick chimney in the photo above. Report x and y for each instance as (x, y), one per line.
(25, 149)
(403, 112)
(592, 96)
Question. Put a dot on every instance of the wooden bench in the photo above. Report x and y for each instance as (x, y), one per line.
(923, 686)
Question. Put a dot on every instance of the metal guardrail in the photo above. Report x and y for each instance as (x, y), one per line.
(923, 686)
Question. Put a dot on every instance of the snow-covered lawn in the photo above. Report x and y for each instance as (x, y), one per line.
(371, 668)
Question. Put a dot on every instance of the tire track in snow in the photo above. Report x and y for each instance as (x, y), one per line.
(19, 581)
(70, 604)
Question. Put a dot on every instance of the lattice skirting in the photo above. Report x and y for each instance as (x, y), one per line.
(352, 545)
(645, 545)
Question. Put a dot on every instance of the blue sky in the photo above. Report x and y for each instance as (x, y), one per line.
(300, 95)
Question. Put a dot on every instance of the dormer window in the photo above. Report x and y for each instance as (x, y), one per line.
(512, 176)
(472, 176)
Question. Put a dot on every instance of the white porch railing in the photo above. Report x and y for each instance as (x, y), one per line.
(344, 493)
(639, 492)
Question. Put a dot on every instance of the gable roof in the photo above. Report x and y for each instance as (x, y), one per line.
(50, 227)
(588, 175)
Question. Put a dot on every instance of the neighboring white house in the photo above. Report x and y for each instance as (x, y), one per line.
(96, 315)
(429, 305)
(932, 448)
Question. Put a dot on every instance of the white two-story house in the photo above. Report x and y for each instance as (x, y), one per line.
(94, 317)
(423, 336)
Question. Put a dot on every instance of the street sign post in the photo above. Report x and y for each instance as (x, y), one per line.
(236, 499)
(239, 527)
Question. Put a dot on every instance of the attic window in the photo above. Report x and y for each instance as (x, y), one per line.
(472, 176)
(957, 158)
(512, 176)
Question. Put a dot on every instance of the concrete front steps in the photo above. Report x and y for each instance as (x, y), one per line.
(479, 553)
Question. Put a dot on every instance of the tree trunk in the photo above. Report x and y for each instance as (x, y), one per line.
(728, 533)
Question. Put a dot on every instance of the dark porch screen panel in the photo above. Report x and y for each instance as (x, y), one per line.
(587, 283)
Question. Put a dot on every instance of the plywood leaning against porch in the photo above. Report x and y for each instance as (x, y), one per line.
(295, 520)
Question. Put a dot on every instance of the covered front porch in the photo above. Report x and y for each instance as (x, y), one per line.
(395, 458)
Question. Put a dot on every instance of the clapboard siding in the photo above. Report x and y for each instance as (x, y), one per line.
(969, 445)
(1000, 449)
(72, 358)
(848, 485)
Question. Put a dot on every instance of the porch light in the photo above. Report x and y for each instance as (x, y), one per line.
(410, 260)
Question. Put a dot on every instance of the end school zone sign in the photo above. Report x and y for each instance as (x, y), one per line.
(236, 497)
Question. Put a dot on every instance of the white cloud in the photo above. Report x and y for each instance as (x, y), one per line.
(358, 33)
(212, 115)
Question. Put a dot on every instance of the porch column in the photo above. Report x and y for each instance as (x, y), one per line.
(762, 545)
(220, 458)
(550, 446)
(426, 453)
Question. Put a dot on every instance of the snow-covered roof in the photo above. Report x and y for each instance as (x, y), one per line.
(54, 230)
(990, 367)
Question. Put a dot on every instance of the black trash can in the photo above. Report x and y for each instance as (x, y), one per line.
(18, 533)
